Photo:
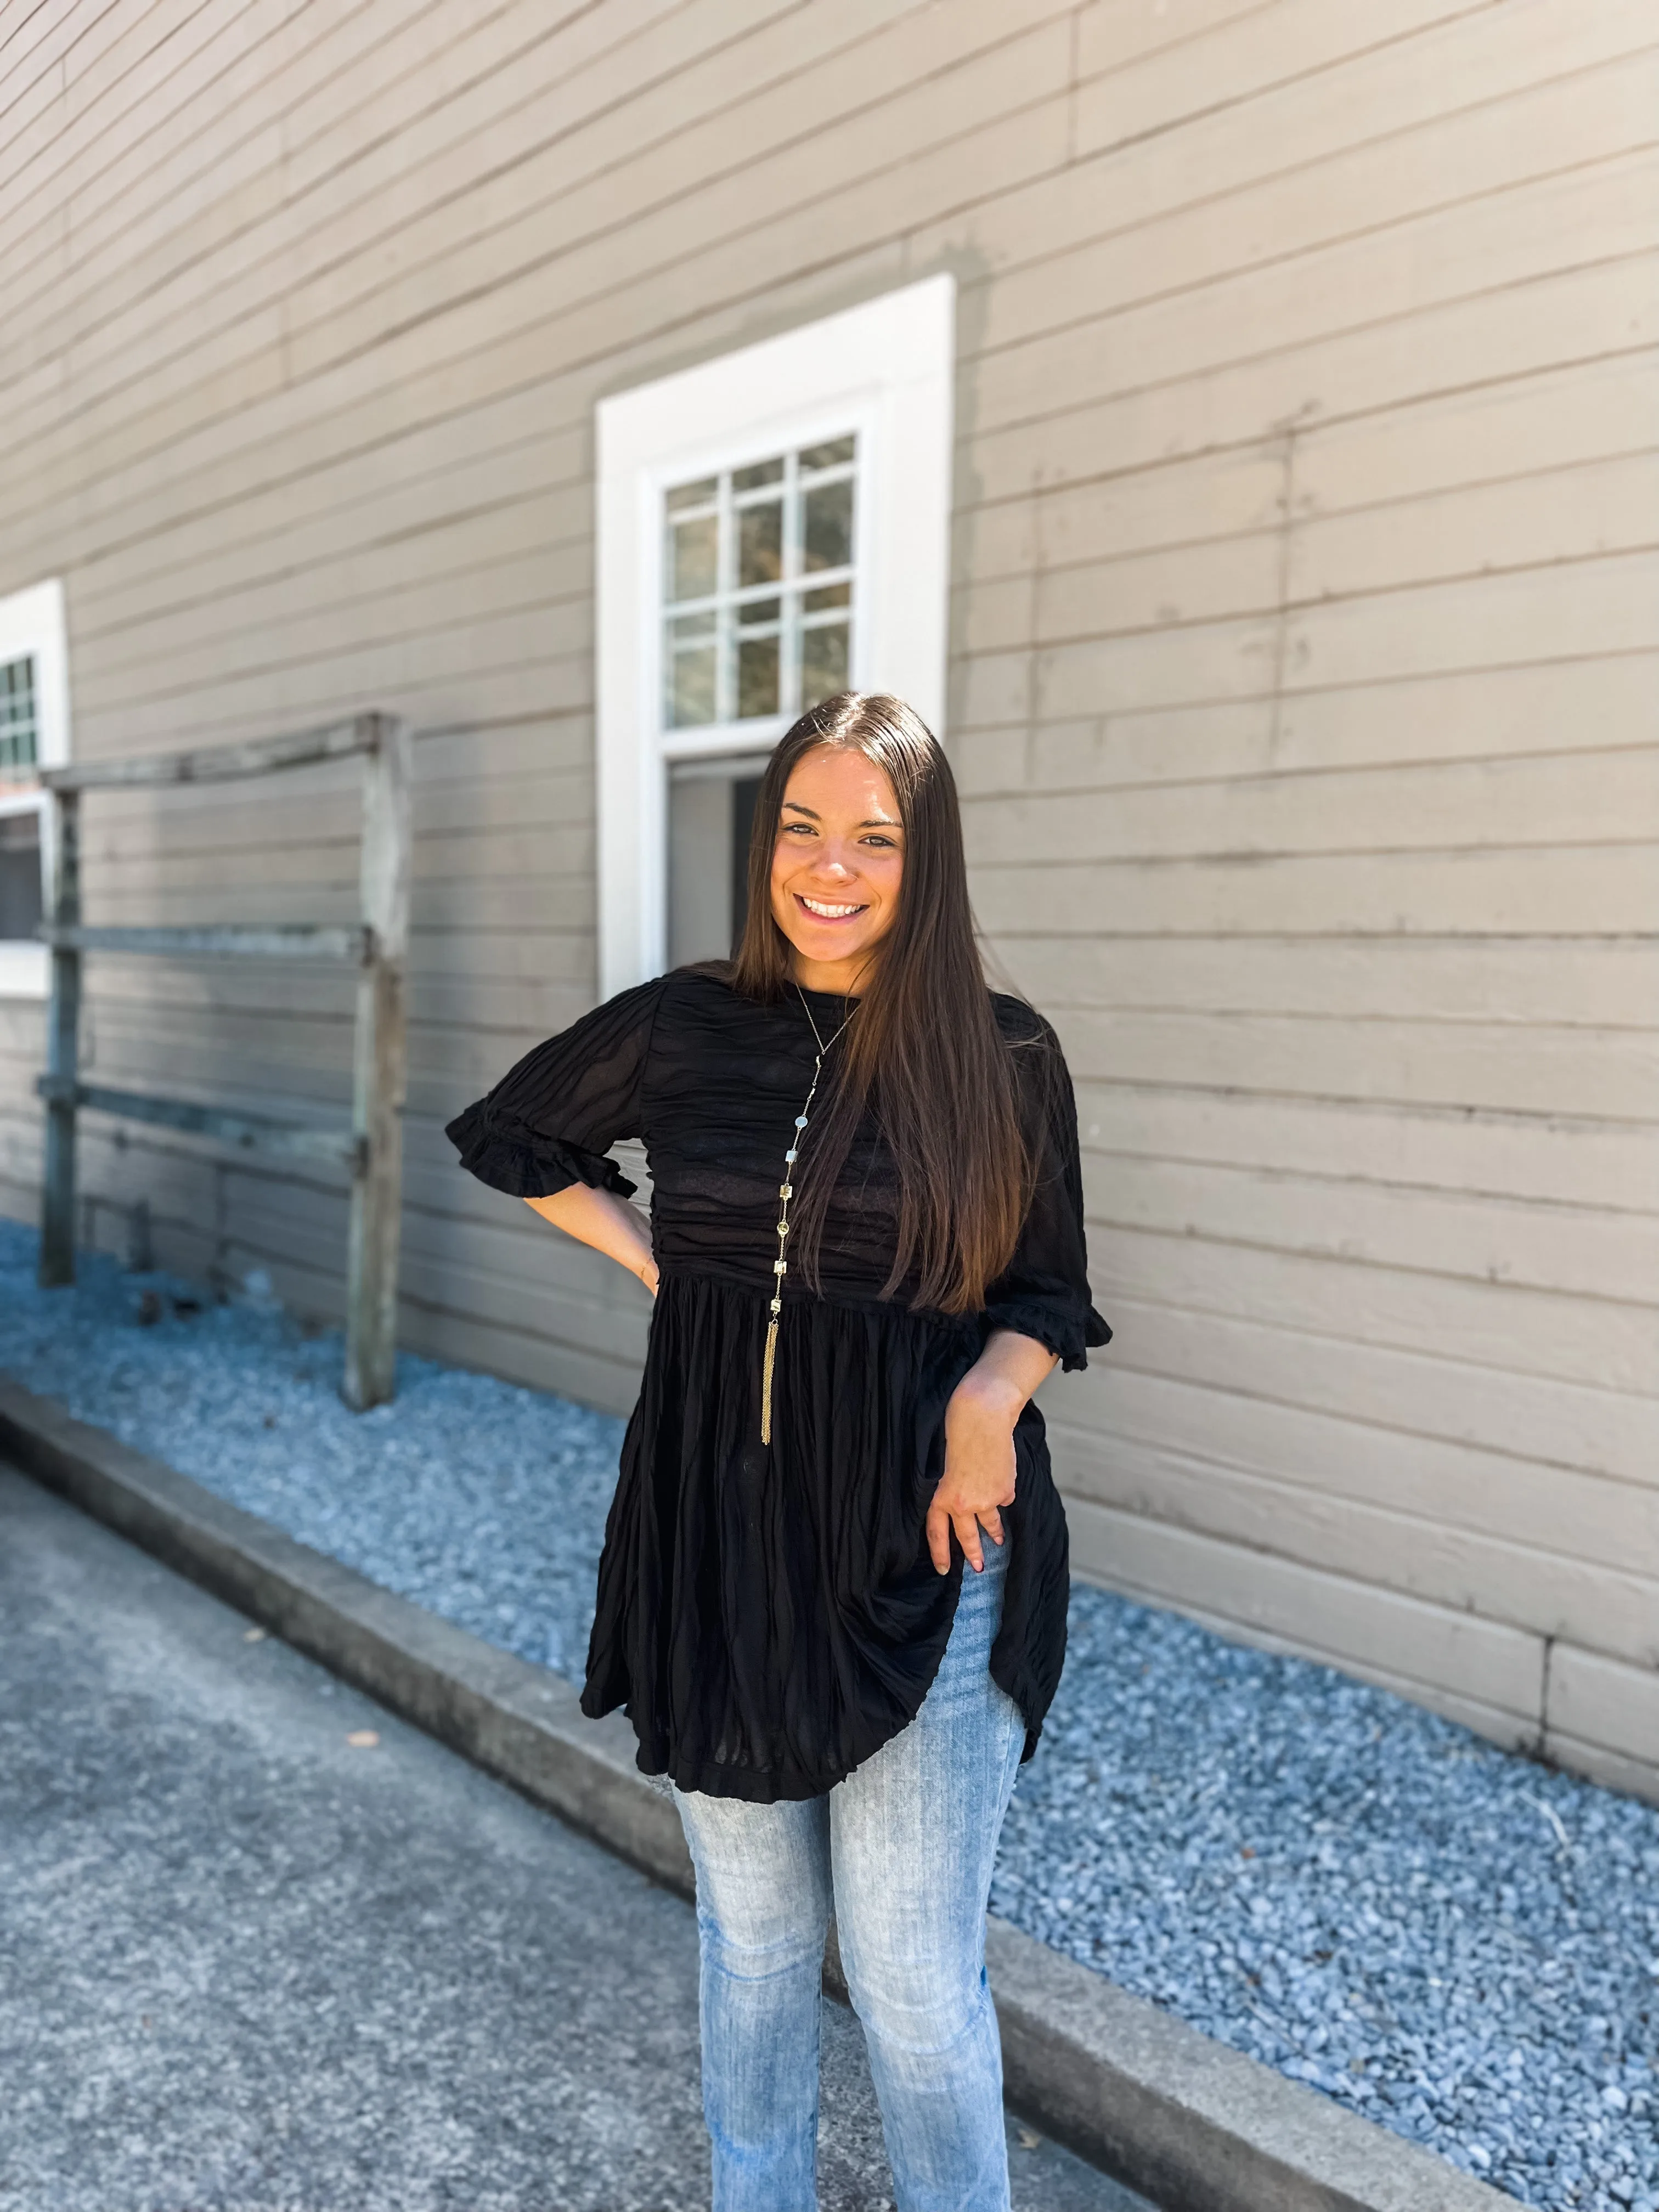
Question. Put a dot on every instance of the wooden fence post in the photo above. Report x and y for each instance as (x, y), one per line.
(57, 1265)
(381, 1071)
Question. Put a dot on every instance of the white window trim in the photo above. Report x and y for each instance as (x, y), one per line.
(32, 622)
(884, 369)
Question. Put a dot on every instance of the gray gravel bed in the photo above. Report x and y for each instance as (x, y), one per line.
(1460, 1944)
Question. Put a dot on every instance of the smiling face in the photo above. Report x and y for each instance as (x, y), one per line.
(836, 866)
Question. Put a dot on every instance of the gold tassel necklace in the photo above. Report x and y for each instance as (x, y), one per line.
(786, 1192)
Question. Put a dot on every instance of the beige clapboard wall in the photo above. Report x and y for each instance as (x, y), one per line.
(1304, 648)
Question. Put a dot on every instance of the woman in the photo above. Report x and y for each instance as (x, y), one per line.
(833, 1594)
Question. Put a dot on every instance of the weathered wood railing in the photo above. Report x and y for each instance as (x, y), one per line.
(373, 1146)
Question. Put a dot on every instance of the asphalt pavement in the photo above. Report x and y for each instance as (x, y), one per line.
(265, 1948)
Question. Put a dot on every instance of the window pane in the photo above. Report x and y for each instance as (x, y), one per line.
(690, 687)
(828, 534)
(757, 676)
(764, 472)
(753, 613)
(694, 557)
(823, 663)
(20, 875)
(830, 456)
(760, 542)
(829, 595)
(701, 493)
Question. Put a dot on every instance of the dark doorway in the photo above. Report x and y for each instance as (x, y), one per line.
(746, 790)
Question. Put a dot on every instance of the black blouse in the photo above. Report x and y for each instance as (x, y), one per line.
(769, 1616)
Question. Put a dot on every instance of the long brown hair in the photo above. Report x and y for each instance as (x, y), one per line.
(925, 1051)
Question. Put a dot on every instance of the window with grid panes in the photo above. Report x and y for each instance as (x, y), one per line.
(21, 905)
(18, 726)
(757, 569)
(34, 735)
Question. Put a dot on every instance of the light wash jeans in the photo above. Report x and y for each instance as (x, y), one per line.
(906, 1845)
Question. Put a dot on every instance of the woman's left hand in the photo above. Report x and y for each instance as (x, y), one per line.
(979, 1447)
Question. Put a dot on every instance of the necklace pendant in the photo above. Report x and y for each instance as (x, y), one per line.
(767, 1363)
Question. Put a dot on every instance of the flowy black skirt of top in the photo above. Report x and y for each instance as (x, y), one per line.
(769, 1614)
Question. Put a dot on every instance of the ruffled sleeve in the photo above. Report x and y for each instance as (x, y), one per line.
(550, 1120)
(1044, 1291)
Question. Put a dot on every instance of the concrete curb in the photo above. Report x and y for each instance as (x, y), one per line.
(1193, 2125)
